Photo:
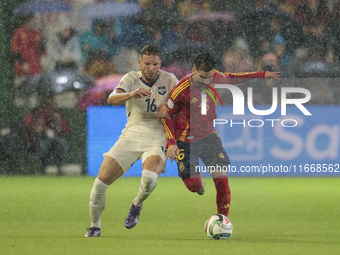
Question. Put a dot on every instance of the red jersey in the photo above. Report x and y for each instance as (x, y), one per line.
(27, 43)
(184, 106)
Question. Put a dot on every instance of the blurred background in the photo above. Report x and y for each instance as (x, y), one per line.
(60, 57)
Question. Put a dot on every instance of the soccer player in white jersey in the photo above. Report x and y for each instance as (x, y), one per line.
(143, 138)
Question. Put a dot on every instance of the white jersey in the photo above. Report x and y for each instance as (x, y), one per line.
(142, 113)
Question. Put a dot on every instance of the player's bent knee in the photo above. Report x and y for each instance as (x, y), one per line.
(154, 164)
(110, 170)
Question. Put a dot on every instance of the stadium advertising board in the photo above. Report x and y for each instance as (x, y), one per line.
(271, 145)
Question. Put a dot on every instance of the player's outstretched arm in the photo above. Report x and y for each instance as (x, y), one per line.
(172, 152)
(275, 75)
(119, 96)
(163, 113)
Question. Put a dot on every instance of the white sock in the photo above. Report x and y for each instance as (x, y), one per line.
(97, 202)
(147, 185)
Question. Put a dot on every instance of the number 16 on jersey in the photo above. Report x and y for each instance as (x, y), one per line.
(151, 106)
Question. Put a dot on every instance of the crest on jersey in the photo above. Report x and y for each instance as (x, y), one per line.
(161, 90)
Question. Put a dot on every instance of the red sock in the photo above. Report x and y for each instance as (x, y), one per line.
(193, 183)
(222, 195)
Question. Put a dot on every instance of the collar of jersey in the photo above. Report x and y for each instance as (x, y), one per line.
(149, 84)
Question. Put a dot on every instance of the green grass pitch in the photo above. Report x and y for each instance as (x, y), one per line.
(48, 215)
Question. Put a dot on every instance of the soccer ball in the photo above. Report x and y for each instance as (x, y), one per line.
(218, 227)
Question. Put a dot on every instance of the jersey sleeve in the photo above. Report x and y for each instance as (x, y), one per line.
(235, 78)
(126, 84)
(173, 105)
(172, 82)
(168, 125)
(175, 80)
(259, 74)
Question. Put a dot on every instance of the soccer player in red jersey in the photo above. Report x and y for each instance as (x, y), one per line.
(192, 135)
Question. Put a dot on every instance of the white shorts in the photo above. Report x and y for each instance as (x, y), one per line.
(127, 152)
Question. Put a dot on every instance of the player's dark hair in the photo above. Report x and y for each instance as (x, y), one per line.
(204, 61)
(150, 50)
